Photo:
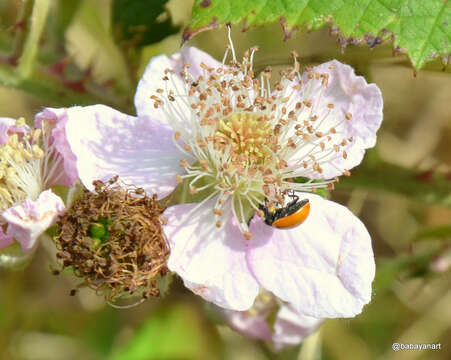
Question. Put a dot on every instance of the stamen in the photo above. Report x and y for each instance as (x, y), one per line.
(229, 35)
(248, 142)
(27, 165)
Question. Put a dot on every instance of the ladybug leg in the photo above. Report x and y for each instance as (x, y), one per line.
(294, 201)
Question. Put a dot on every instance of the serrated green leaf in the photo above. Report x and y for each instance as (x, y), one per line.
(421, 28)
(141, 22)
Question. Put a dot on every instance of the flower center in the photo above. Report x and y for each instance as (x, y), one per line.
(247, 135)
(20, 168)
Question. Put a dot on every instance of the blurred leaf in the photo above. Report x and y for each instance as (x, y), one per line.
(63, 14)
(90, 43)
(421, 28)
(171, 332)
(141, 22)
(164, 283)
(53, 91)
(433, 233)
(105, 323)
(33, 31)
(59, 19)
(389, 270)
(383, 176)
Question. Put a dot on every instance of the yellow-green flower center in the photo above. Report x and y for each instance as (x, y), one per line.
(20, 166)
(247, 134)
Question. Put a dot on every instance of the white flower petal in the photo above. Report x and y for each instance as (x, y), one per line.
(194, 56)
(210, 260)
(108, 143)
(254, 326)
(27, 221)
(324, 267)
(152, 80)
(289, 328)
(349, 94)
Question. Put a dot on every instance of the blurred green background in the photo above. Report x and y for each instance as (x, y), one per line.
(94, 51)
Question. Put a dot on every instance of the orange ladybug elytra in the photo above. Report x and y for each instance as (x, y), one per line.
(289, 216)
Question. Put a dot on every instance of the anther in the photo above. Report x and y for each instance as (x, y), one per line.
(218, 212)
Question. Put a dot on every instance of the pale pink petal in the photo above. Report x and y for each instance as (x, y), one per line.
(210, 260)
(108, 143)
(27, 221)
(349, 94)
(5, 240)
(58, 118)
(324, 267)
(5, 125)
(290, 327)
(152, 80)
(253, 326)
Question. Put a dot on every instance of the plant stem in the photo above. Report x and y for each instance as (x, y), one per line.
(33, 32)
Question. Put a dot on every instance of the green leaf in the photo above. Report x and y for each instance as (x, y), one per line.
(141, 22)
(421, 28)
(171, 332)
(90, 43)
(105, 322)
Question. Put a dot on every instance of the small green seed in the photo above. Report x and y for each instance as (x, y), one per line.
(97, 230)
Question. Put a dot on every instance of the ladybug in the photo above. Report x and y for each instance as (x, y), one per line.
(289, 216)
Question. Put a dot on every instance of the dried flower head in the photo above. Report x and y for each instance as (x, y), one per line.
(113, 239)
